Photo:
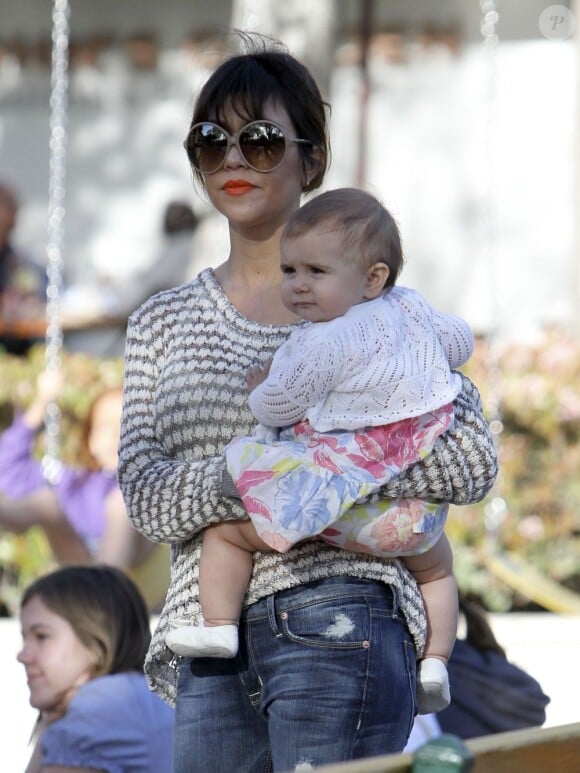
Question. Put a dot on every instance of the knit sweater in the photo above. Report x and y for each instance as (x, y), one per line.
(187, 353)
(382, 361)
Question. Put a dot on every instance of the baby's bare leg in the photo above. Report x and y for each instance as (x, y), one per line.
(225, 568)
(224, 572)
(433, 571)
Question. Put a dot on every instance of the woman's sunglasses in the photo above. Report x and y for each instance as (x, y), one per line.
(262, 145)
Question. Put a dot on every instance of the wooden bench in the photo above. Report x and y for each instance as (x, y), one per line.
(534, 750)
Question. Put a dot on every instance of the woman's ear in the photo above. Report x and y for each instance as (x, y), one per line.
(377, 276)
(312, 166)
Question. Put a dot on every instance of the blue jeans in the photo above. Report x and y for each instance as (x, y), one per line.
(325, 673)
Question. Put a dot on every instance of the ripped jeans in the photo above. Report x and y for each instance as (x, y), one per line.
(325, 673)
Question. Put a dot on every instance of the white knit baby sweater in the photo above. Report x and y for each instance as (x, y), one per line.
(383, 361)
(185, 398)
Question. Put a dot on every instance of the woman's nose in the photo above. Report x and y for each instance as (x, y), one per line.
(233, 156)
(23, 655)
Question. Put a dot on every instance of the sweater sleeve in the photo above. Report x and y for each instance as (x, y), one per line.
(168, 499)
(20, 472)
(304, 370)
(462, 467)
(455, 337)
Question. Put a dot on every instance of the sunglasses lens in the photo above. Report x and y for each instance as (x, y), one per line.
(206, 147)
(263, 145)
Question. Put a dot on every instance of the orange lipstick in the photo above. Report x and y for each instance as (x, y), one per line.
(238, 187)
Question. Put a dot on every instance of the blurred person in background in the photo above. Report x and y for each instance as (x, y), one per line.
(172, 264)
(22, 284)
(489, 694)
(82, 512)
(85, 634)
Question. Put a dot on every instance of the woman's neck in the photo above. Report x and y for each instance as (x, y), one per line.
(251, 278)
(254, 290)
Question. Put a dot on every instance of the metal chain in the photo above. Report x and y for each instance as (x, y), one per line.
(496, 510)
(56, 214)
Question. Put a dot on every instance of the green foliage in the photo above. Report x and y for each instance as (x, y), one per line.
(533, 389)
(536, 388)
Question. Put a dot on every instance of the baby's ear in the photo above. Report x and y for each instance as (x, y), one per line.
(377, 276)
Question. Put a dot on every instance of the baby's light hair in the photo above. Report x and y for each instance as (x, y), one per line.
(369, 233)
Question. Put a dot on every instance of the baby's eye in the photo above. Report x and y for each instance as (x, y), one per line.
(317, 270)
(288, 270)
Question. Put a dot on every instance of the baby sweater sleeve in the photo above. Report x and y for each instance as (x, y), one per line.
(455, 337)
(169, 499)
(304, 370)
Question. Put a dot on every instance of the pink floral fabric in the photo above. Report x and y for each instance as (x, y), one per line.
(305, 483)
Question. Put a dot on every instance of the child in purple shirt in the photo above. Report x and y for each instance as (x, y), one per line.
(82, 513)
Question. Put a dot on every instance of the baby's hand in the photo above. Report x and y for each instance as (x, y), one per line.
(257, 374)
(49, 385)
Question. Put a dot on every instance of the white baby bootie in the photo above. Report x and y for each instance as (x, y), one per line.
(197, 641)
(432, 686)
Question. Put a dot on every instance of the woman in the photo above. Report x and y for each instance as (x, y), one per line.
(328, 639)
(85, 634)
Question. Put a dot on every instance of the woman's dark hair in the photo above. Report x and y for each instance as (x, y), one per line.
(105, 610)
(265, 72)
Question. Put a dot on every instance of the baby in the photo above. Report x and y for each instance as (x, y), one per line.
(348, 402)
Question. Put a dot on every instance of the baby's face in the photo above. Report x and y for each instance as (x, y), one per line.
(319, 281)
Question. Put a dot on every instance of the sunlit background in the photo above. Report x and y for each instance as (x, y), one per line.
(471, 147)
(461, 115)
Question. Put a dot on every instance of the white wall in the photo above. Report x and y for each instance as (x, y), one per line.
(429, 150)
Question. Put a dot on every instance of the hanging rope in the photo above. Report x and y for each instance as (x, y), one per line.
(56, 214)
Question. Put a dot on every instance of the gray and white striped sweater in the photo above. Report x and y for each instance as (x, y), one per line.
(185, 397)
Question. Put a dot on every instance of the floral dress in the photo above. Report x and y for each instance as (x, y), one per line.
(360, 399)
(306, 483)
